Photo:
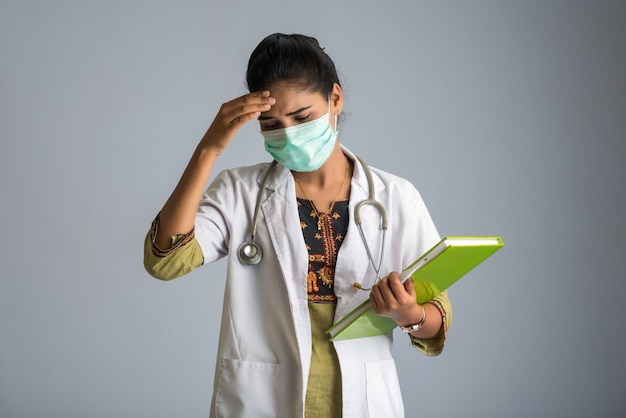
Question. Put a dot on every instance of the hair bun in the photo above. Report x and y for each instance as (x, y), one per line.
(296, 58)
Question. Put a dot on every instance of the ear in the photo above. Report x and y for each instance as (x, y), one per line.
(336, 100)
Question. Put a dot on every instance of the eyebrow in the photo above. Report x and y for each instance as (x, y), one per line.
(295, 112)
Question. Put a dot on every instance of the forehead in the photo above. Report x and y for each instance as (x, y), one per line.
(286, 92)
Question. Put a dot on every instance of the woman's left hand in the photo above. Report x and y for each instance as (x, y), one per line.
(394, 299)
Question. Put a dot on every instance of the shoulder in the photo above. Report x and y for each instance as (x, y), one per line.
(407, 212)
(244, 173)
(392, 179)
(399, 195)
(239, 177)
(233, 184)
(383, 180)
(394, 184)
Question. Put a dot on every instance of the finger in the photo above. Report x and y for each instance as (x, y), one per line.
(373, 301)
(247, 104)
(376, 299)
(243, 119)
(379, 287)
(375, 292)
(386, 294)
(251, 99)
(396, 286)
(408, 286)
(244, 114)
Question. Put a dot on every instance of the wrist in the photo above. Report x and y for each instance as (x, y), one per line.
(207, 152)
(416, 325)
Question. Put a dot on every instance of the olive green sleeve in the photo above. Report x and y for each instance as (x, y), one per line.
(434, 346)
(182, 257)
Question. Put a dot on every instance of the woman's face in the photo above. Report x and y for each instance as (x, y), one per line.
(295, 105)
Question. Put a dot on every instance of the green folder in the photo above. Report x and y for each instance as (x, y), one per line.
(433, 272)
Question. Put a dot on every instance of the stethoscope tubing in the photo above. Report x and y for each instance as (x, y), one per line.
(259, 200)
(250, 252)
(371, 200)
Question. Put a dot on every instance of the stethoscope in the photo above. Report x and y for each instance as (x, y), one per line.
(251, 253)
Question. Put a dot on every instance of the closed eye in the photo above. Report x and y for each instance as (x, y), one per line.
(269, 126)
(302, 118)
(269, 123)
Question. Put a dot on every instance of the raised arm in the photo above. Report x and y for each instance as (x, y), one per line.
(179, 212)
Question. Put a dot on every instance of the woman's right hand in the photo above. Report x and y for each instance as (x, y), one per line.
(232, 116)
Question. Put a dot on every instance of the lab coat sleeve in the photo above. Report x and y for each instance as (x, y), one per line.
(434, 346)
(207, 242)
(220, 204)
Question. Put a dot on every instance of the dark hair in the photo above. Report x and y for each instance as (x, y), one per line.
(297, 59)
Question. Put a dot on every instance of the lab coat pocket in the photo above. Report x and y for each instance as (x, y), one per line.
(384, 399)
(250, 389)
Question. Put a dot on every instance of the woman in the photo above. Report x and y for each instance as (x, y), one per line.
(274, 357)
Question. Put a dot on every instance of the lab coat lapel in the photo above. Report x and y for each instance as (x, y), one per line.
(353, 264)
(283, 223)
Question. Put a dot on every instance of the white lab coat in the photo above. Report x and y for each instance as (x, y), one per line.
(264, 348)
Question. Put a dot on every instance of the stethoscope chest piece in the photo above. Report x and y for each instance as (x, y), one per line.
(250, 253)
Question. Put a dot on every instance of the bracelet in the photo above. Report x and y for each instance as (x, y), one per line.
(414, 327)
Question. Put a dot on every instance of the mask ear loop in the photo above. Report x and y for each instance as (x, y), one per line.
(336, 116)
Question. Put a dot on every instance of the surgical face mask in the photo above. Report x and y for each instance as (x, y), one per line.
(304, 147)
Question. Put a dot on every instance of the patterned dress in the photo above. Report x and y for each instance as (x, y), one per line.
(323, 236)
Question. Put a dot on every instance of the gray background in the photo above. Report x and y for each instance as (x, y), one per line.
(508, 117)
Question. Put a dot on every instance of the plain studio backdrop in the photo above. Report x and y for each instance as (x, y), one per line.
(508, 116)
